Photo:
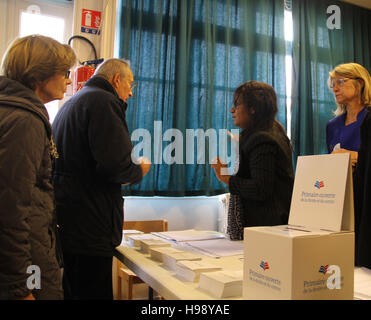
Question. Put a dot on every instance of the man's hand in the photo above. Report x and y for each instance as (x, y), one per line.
(217, 166)
(145, 164)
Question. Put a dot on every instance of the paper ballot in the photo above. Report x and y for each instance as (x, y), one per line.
(337, 147)
(189, 235)
(157, 253)
(191, 270)
(146, 244)
(127, 233)
(170, 259)
(362, 283)
(222, 284)
(217, 247)
(134, 240)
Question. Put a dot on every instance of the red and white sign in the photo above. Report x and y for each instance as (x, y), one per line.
(91, 21)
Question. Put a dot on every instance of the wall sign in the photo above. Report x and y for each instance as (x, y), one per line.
(91, 21)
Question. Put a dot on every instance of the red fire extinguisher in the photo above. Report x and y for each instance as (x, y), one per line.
(83, 73)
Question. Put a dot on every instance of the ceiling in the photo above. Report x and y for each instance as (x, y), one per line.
(361, 3)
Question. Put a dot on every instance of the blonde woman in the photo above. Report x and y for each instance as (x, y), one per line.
(34, 71)
(351, 85)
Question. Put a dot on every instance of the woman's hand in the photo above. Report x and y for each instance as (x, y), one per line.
(217, 166)
(353, 155)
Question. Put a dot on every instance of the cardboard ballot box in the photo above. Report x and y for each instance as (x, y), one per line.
(313, 256)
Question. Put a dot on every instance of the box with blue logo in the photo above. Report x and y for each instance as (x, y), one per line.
(313, 256)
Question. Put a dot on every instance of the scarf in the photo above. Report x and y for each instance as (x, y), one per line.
(235, 225)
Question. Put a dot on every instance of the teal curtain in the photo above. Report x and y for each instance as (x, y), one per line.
(188, 57)
(316, 51)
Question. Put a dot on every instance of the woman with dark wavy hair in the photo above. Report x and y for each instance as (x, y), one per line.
(262, 186)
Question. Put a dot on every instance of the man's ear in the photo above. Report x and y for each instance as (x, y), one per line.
(116, 80)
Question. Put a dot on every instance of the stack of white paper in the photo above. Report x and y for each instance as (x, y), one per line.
(170, 259)
(189, 235)
(134, 240)
(191, 270)
(222, 284)
(146, 244)
(127, 233)
(157, 253)
(217, 247)
(362, 283)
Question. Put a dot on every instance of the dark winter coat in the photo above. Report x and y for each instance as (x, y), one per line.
(26, 195)
(94, 147)
(265, 177)
(362, 195)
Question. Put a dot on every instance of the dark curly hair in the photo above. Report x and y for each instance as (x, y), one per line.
(260, 97)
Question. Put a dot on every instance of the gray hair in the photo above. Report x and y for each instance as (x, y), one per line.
(110, 67)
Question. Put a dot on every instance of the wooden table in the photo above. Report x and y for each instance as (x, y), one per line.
(164, 280)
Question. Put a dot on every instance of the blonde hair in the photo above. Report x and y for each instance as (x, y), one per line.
(33, 59)
(356, 72)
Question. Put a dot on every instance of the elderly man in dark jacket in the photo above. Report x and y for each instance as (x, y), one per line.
(94, 147)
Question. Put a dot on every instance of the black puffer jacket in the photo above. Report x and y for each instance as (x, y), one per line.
(26, 195)
(94, 149)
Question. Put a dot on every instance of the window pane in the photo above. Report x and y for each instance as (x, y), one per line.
(32, 23)
(41, 24)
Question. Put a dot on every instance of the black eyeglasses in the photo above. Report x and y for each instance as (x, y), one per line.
(67, 75)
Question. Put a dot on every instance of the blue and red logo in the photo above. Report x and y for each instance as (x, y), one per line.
(319, 184)
(264, 265)
(323, 269)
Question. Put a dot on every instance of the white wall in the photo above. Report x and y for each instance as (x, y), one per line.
(103, 42)
(72, 13)
(200, 213)
(10, 11)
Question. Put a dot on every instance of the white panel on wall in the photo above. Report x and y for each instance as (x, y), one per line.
(82, 48)
(10, 12)
(108, 29)
(8, 25)
(200, 213)
(105, 39)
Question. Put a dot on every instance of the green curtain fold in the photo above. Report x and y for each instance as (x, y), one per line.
(316, 51)
(188, 56)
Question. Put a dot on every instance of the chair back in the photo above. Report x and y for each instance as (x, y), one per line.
(147, 226)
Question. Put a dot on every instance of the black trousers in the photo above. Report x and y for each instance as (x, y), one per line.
(87, 277)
